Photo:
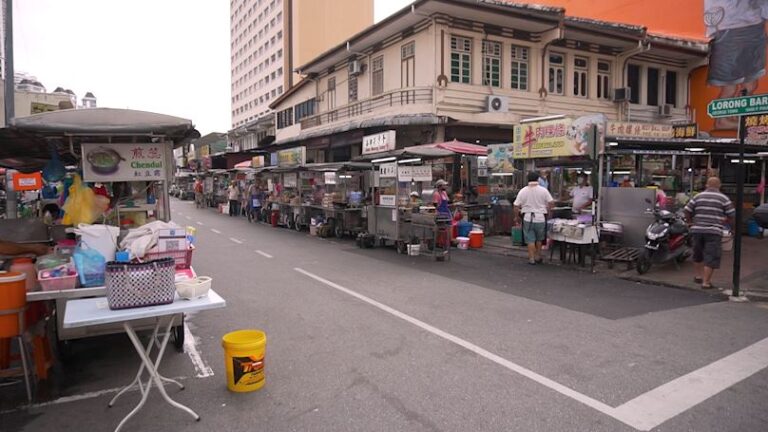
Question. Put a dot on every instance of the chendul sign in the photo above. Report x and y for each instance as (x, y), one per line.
(757, 104)
(123, 162)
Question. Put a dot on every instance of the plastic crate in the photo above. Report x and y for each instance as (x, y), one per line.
(183, 258)
(57, 283)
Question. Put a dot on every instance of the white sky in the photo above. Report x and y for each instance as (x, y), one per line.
(165, 56)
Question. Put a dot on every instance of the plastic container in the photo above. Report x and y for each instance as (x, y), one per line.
(463, 242)
(57, 283)
(13, 295)
(183, 258)
(193, 288)
(244, 353)
(26, 266)
(517, 236)
(476, 239)
(464, 229)
(753, 228)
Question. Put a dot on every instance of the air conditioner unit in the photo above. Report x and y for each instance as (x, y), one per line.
(622, 94)
(355, 67)
(665, 110)
(497, 104)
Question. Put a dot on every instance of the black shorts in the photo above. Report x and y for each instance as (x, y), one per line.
(737, 55)
(707, 249)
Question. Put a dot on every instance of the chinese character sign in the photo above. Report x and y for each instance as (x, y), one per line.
(757, 130)
(124, 162)
(388, 170)
(556, 138)
(378, 143)
(685, 131)
(639, 130)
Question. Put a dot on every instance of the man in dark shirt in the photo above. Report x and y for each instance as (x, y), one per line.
(708, 211)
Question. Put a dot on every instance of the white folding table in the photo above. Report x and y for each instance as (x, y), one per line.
(94, 311)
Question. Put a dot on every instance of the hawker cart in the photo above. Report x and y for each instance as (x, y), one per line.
(337, 196)
(112, 146)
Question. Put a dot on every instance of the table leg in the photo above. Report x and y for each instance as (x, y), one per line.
(152, 369)
(137, 380)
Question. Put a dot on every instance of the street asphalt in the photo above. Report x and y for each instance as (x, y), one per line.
(369, 340)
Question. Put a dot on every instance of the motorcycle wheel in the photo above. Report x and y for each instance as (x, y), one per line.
(644, 263)
(682, 257)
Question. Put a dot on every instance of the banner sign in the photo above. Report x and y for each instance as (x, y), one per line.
(257, 162)
(387, 200)
(27, 182)
(289, 180)
(757, 130)
(421, 173)
(685, 131)
(500, 159)
(123, 162)
(639, 130)
(292, 157)
(330, 178)
(388, 170)
(378, 143)
(563, 137)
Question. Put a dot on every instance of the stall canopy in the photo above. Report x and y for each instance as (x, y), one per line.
(243, 165)
(28, 143)
(434, 150)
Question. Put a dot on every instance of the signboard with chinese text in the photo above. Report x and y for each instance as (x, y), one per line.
(123, 162)
(757, 130)
(330, 178)
(388, 170)
(378, 143)
(685, 131)
(292, 157)
(638, 130)
(289, 180)
(556, 138)
(387, 200)
(419, 173)
(257, 162)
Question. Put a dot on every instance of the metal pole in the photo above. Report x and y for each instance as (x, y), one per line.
(762, 181)
(739, 209)
(10, 91)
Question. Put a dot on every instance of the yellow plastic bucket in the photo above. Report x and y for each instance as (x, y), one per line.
(244, 352)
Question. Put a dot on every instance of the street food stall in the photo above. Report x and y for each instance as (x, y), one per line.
(337, 196)
(398, 213)
(127, 156)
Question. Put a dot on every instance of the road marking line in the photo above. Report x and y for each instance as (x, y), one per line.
(191, 343)
(84, 396)
(188, 217)
(573, 394)
(677, 396)
(215, 231)
(200, 223)
(236, 240)
(264, 254)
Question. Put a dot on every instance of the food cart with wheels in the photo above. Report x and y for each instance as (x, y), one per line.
(125, 149)
(392, 218)
(337, 197)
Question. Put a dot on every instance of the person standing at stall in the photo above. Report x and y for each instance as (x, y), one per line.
(532, 204)
(582, 195)
(233, 194)
(707, 211)
(440, 199)
(199, 193)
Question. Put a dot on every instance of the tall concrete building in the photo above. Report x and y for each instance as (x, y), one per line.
(269, 38)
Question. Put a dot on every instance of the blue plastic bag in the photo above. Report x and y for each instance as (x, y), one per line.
(91, 266)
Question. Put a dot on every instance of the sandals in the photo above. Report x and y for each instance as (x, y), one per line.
(708, 287)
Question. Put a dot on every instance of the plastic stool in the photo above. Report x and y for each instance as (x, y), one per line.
(22, 351)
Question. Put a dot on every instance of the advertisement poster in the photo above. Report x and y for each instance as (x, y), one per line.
(421, 173)
(292, 157)
(290, 180)
(639, 130)
(123, 162)
(500, 159)
(27, 182)
(557, 138)
(757, 130)
(257, 162)
(378, 143)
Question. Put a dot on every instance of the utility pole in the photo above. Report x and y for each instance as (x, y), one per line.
(10, 94)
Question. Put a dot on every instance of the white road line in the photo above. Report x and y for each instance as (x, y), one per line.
(675, 397)
(586, 400)
(215, 231)
(188, 217)
(200, 223)
(236, 240)
(202, 370)
(264, 254)
(75, 398)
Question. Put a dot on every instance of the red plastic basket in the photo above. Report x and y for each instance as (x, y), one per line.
(183, 258)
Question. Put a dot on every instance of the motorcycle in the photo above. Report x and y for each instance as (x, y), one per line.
(667, 238)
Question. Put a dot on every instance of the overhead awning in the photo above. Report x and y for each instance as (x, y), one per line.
(455, 146)
(337, 166)
(245, 164)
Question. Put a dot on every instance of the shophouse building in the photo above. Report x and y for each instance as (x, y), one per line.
(470, 70)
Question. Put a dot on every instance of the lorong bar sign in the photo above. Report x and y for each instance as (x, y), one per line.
(757, 104)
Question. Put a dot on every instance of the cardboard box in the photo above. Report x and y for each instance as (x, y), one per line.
(172, 240)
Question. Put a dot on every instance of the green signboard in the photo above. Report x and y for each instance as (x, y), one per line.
(756, 104)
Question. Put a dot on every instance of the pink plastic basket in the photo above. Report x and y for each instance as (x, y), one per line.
(57, 283)
(183, 258)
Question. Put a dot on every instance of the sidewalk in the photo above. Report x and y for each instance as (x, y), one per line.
(754, 267)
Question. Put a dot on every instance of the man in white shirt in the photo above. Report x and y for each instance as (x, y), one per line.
(533, 202)
(582, 195)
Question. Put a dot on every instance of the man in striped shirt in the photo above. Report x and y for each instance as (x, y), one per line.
(708, 211)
